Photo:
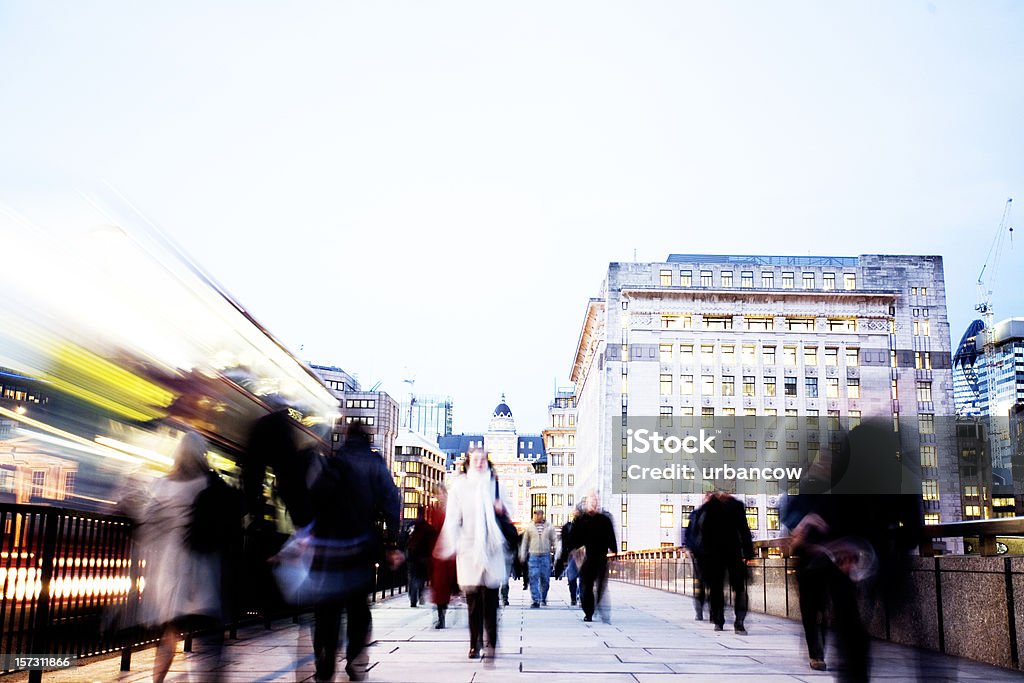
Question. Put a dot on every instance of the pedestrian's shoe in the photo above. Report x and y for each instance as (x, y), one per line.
(535, 605)
(354, 674)
(699, 617)
(818, 665)
(440, 618)
(719, 627)
(505, 602)
(573, 603)
(587, 617)
(738, 628)
(544, 602)
(474, 653)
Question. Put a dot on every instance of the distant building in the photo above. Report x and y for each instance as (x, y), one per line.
(559, 438)
(375, 410)
(988, 387)
(431, 416)
(418, 470)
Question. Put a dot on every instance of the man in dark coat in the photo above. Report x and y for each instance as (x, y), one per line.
(727, 546)
(693, 540)
(350, 498)
(594, 532)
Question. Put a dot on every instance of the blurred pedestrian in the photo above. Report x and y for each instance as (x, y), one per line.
(442, 571)
(692, 539)
(594, 533)
(566, 560)
(535, 551)
(726, 548)
(186, 522)
(418, 552)
(352, 492)
(472, 534)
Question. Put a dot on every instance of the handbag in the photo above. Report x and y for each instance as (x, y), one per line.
(508, 529)
(313, 571)
(580, 556)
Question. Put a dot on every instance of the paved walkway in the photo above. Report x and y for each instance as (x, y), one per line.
(651, 639)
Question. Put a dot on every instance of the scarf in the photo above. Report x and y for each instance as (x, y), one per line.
(479, 517)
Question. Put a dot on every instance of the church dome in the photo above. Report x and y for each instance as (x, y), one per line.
(502, 410)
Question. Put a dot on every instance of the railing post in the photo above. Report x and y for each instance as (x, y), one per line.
(41, 623)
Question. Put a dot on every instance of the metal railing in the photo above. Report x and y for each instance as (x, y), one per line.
(71, 582)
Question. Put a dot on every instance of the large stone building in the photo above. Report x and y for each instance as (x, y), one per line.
(721, 336)
(988, 381)
(418, 469)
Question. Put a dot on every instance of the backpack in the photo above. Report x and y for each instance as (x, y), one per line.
(214, 522)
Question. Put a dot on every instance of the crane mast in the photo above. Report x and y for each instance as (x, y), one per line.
(991, 266)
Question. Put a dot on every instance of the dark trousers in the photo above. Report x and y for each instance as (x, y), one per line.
(812, 579)
(699, 594)
(574, 590)
(327, 628)
(482, 605)
(714, 573)
(852, 640)
(594, 576)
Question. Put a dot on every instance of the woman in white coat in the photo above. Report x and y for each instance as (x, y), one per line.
(471, 533)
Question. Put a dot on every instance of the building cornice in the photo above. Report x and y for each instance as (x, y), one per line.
(585, 344)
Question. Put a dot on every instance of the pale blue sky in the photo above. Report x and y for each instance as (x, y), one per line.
(440, 186)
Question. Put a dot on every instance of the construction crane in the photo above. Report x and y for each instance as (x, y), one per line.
(991, 267)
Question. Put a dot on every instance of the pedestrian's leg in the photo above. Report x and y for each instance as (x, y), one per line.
(490, 597)
(573, 590)
(326, 628)
(165, 653)
(358, 631)
(601, 584)
(738, 581)
(534, 569)
(699, 597)
(587, 578)
(545, 577)
(714, 583)
(812, 594)
(475, 610)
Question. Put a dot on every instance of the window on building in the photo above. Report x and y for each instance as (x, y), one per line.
(925, 328)
(705, 278)
(666, 385)
(726, 276)
(667, 518)
(749, 354)
(728, 385)
(751, 517)
(767, 280)
(686, 385)
(789, 356)
(707, 416)
(849, 281)
(930, 489)
(854, 418)
(746, 278)
(557, 479)
(811, 355)
(787, 280)
(768, 355)
(665, 353)
(772, 519)
(853, 387)
(811, 387)
(832, 387)
(571, 459)
(924, 392)
(69, 483)
(686, 353)
(842, 324)
(707, 385)
(808, 280)
(828, 280)
(676, 322)
(926, 423)
(686, 278)
(666, 278)
(852, 357)
(718, 322)
(892, 358)
(790, 386)
(748, 385)
(812, 419)
(728, 354)
(972, 511)
(760, 323)
(928, 458)
(769, 386)
(707, 354)
(970, 491)
(684, 515)
(800, 324)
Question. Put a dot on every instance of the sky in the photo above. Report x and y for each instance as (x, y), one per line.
(433, 190)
